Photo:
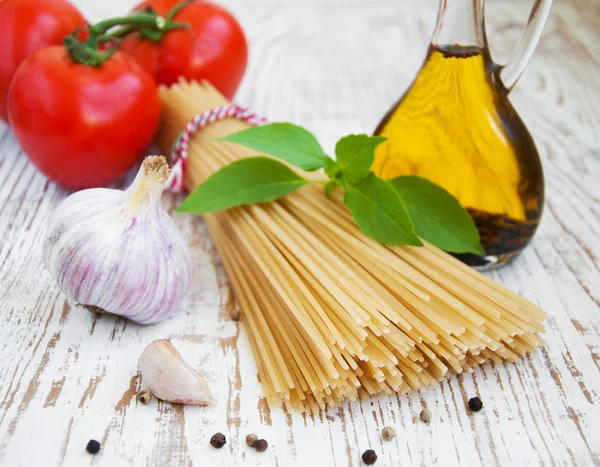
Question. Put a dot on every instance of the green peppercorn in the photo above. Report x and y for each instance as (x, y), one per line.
(369, 457)
(475, 404)
(93, 446)
(388, 433)
(144, 397)
(251, 439)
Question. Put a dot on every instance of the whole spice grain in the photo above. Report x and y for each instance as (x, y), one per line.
(475, 404)
(251, 439)
(369, 457)
(144, 396)
(425, 415)
(93, 446)
(261, 445)
(388, 433)
(218, 440)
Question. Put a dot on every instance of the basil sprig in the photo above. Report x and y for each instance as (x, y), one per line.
(395, 212)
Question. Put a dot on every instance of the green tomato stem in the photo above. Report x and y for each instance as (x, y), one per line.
(139, 20)
(116, 34)
(147, 23)
(155, 35)
(176, 9)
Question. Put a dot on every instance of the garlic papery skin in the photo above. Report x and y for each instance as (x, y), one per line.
(170, 378)
(118, 252)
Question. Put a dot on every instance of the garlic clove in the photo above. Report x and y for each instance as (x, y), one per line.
(170, 378)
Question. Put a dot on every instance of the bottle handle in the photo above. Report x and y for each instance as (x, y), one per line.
(512, 71)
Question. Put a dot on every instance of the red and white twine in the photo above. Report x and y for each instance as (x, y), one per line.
(179, 152)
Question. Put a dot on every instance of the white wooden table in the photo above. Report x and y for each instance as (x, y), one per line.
(67, 376)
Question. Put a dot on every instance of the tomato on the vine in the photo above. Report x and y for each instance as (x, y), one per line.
(82, 126)
(213, 47)
(29, 25)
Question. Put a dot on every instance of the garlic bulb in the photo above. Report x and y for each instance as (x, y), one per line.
(170, 378)
(118, 252)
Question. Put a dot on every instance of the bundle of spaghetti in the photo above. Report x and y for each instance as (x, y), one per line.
(332, 314)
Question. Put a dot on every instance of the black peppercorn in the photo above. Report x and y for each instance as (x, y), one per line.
(475, 404)
(218, 440)
(369, 457)
(261, 445)
(93, 446)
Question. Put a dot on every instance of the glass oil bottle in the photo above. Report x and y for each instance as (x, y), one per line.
(456, 127)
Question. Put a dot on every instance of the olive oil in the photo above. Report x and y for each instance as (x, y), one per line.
(456, 127)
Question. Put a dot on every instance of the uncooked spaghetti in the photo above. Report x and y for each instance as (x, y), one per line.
(331, 313)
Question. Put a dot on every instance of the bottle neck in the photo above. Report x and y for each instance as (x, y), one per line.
(460, 22)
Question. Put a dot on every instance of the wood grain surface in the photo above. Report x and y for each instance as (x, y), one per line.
(67, 376)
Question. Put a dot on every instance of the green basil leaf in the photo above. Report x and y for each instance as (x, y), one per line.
(249, 180)
(332, 168)
(438, 216)
(329, 187)
(355, 154)
(286, 141)
(379, 211)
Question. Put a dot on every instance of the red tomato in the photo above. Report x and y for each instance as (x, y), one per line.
(82, 126)
(29, 25)
(214, 48)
